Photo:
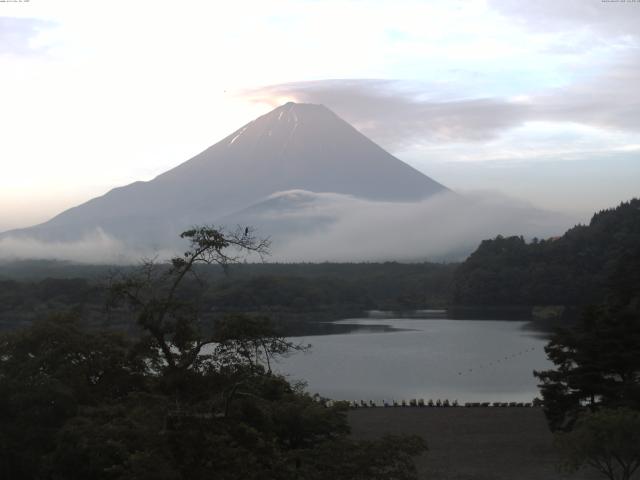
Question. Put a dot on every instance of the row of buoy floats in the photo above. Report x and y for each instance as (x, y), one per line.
(420, 403)
(495, 362)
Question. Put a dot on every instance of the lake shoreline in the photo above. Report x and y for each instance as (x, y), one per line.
(329, 325)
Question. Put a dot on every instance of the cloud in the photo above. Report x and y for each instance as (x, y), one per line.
(396, 113)
(605, 18)
(401, 114)
(96, 247)
(313, 227)
(611, 100)
(444, 227)
(17, 35)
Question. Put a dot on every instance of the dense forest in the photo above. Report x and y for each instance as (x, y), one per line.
(288, 293)
(164, 370)
(176, 401)
(591, 396)
(572, 270)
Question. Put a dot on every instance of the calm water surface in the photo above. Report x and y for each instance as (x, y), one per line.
(467, 360)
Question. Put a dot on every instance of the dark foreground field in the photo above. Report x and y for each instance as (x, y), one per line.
(471, 443)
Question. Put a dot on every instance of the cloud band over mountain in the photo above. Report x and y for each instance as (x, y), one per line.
(399, 113)
(317, 227)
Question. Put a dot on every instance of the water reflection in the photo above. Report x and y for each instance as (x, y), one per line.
(338, 328)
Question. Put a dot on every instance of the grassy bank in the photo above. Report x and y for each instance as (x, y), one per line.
(471, 443)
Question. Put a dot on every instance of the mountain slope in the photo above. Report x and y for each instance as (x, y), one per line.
(295, 146)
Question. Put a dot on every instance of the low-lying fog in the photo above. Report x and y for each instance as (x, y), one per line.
(314, 227)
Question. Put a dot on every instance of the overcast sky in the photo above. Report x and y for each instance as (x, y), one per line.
(538, 99)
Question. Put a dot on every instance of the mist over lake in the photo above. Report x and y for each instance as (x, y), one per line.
(404, 358)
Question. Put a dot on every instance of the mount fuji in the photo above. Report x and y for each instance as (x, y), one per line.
(295, 153)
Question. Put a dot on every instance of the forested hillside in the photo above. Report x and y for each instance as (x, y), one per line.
(574, 269)
(287, 292)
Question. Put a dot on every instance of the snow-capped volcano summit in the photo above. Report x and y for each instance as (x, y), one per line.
(301, 146)
(295, 146)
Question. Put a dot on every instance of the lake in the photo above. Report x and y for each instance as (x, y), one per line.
(386, 358)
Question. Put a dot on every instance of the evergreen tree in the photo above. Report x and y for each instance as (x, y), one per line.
(597, 364)
(607, 441)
